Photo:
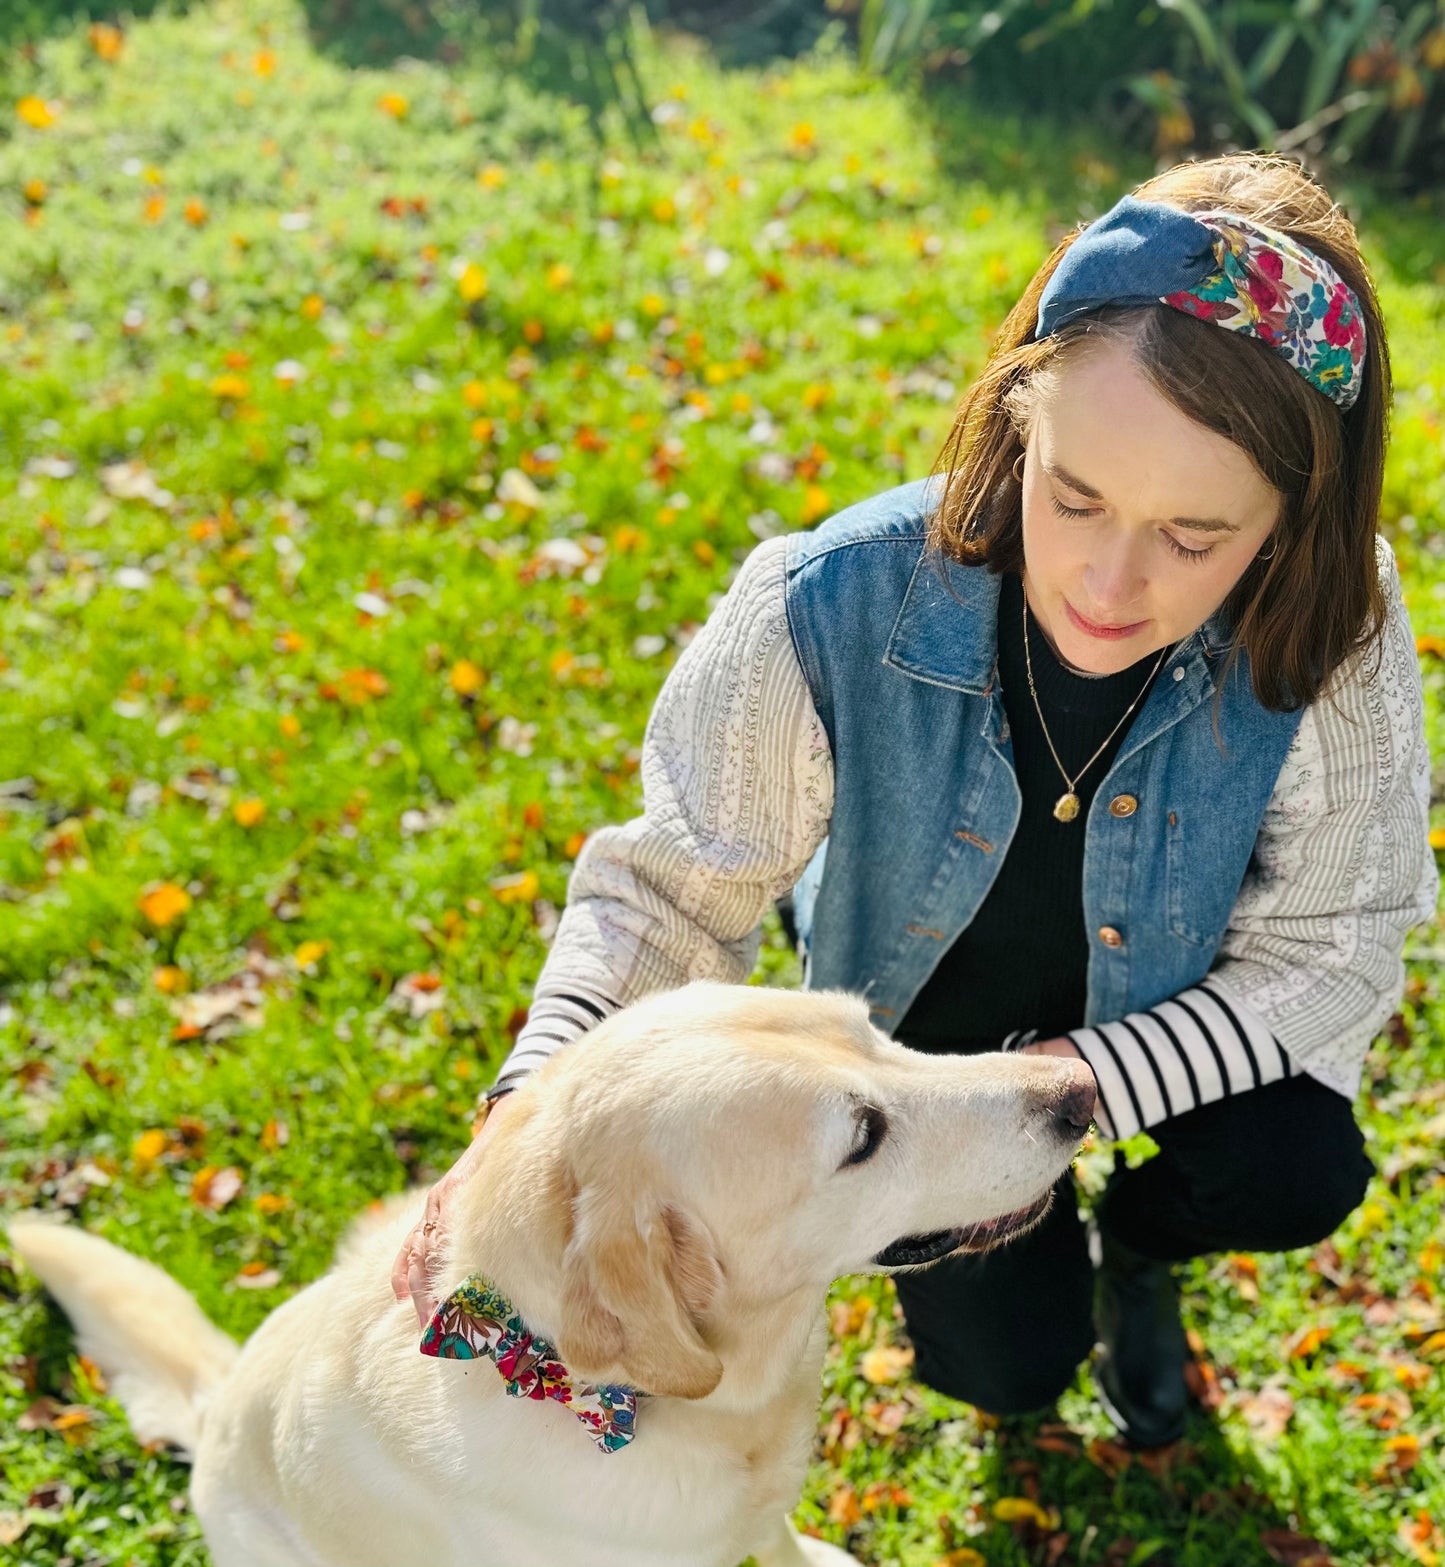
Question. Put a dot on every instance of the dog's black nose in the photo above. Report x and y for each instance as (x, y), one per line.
(1075, 1105)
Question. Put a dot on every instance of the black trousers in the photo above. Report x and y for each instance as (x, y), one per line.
(1270, 1169)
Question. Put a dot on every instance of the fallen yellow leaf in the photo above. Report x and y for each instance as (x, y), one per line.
(467, 679)
(1019, 1509)
(885, 1363)
(521, 888)
(148, 1147)
(164, 903)
(816, 504)
(35, 112)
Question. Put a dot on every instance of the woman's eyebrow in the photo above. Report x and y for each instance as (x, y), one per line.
(1198, 524)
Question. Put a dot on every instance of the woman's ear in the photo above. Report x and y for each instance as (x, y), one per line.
(635, 1277)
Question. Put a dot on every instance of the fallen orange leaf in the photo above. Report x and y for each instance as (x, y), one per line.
(843, 1507)
(212, 1188)
(107, 41)
(164, 903)
(1307, 1342)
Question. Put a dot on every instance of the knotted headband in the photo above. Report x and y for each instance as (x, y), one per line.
(1221, 268)
(477, 1321)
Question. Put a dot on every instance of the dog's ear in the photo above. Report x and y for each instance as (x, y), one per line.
(634, 1281)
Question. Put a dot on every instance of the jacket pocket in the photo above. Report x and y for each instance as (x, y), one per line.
(1198, 891)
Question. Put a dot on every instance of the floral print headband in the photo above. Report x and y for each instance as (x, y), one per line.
(1221, 268)
(476, 1321)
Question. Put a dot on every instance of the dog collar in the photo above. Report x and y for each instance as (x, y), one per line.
(477, 1321)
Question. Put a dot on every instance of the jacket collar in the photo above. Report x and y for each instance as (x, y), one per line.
(946, 632)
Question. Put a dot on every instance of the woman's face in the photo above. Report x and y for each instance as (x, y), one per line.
(1137, 522)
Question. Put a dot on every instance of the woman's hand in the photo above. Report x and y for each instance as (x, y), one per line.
(1050, 1047)
(411, 1272)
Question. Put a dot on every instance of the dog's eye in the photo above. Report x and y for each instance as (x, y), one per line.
(872, 1128)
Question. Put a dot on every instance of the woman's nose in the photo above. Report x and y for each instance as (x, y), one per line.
(1114, 575)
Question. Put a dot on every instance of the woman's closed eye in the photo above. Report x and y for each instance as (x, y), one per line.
(1185, 552)
(1182, 550)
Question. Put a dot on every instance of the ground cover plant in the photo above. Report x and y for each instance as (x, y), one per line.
(372, 443)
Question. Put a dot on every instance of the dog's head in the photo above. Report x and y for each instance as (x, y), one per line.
(726, 1142)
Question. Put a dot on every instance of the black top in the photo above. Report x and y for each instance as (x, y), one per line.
(1023, 962)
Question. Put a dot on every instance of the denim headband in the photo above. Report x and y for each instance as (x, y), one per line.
(1221, 268)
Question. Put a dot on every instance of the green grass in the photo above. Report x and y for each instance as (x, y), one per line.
(805, 270)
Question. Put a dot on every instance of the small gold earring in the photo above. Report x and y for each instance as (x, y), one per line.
(1018, 477)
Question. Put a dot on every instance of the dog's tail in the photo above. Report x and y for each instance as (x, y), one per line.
(159, 1351)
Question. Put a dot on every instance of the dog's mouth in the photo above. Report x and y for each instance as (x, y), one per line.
(913, 1251)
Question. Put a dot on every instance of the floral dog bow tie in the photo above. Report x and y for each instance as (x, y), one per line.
(477, 1320)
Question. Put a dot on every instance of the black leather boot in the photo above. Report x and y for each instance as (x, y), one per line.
(1139, 1362)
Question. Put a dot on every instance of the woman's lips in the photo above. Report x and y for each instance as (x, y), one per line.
(1109, 633)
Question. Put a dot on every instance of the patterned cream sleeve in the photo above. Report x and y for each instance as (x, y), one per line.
(1343, 866)
(737, 786)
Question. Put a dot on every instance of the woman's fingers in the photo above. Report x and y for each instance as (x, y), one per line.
(401, 1270)
(411, 1272)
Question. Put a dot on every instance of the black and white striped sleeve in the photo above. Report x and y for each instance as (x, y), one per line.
(1198, 1047)
(554, 1020)
(737, 787)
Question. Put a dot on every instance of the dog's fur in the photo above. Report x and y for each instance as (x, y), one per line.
(667, 1201)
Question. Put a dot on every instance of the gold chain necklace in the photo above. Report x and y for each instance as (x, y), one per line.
(1066, 807)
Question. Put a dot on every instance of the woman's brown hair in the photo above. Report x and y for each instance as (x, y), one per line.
(1303, 611)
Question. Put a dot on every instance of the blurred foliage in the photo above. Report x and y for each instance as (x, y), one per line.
(1339, 81)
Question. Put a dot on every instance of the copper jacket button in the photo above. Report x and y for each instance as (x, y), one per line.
(1110, 937)
(1123, 805)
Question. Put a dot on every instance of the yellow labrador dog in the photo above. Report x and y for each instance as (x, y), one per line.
(666, 1207)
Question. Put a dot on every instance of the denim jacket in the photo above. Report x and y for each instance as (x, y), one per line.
(899, 649)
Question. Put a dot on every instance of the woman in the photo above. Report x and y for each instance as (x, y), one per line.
(1106, 740)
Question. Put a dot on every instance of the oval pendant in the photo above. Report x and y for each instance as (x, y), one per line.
(1067, 806)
